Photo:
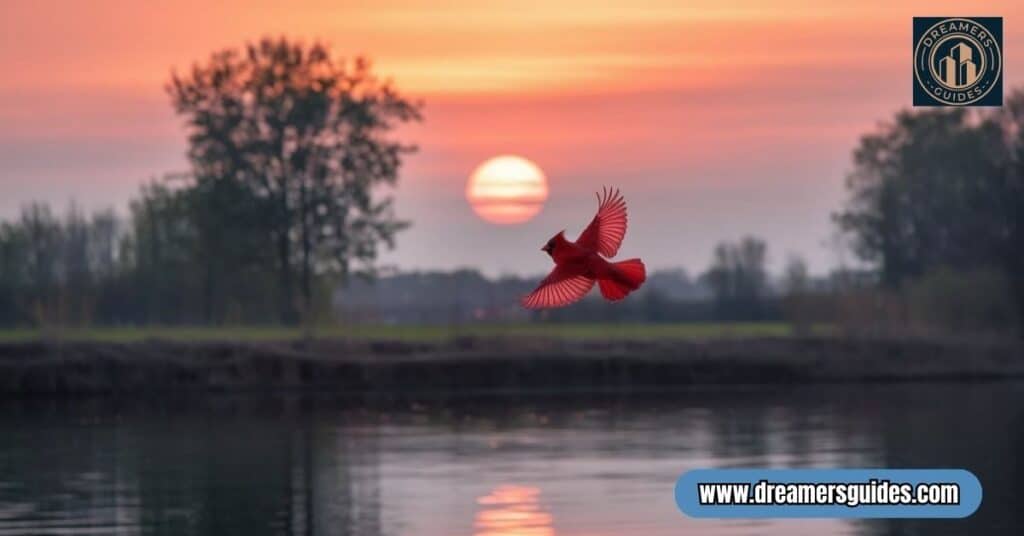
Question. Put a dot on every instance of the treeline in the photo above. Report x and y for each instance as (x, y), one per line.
(466, 295)
(52, 270)
(736, 287)
(151, 268)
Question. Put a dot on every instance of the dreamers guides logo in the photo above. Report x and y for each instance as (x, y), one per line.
(958, 61)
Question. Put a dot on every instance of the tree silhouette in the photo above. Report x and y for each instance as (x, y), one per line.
(738, 279)
(941, 190)
(921, 193)
(307, 138)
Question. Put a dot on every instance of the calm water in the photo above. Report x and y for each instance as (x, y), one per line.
(589, 465)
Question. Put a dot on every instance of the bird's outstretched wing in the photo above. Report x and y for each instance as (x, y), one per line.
(606, 230)
(561, 287)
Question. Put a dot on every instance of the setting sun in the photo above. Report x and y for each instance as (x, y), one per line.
(507, 190)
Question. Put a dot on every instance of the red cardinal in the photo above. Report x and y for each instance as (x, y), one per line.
(578, 264)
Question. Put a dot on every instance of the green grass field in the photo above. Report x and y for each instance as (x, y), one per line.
(406, 333)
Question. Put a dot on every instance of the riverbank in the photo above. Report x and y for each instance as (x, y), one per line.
(406, 333)
(474, 364)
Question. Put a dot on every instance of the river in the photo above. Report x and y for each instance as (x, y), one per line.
(510, 465)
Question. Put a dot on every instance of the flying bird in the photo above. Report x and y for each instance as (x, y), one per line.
(579, 264)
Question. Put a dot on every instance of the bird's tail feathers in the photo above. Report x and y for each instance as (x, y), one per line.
(627, 276)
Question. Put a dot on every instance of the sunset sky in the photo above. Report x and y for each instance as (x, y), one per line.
(716, 119)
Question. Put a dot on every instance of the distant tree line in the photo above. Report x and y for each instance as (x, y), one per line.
(152, 268)
(466, 295)
(736, 287)
(739, 279)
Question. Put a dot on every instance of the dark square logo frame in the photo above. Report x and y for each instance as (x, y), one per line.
(958, 61)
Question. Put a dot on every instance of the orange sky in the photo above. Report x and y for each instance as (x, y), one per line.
(715, 118)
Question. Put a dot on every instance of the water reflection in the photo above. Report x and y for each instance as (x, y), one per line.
(512, 510)
(602, 465)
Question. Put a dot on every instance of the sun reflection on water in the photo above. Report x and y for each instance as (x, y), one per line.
(512, 510)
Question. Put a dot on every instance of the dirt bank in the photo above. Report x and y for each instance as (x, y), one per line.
(475, 364)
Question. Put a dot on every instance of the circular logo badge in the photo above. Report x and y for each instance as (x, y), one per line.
(957, 61)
